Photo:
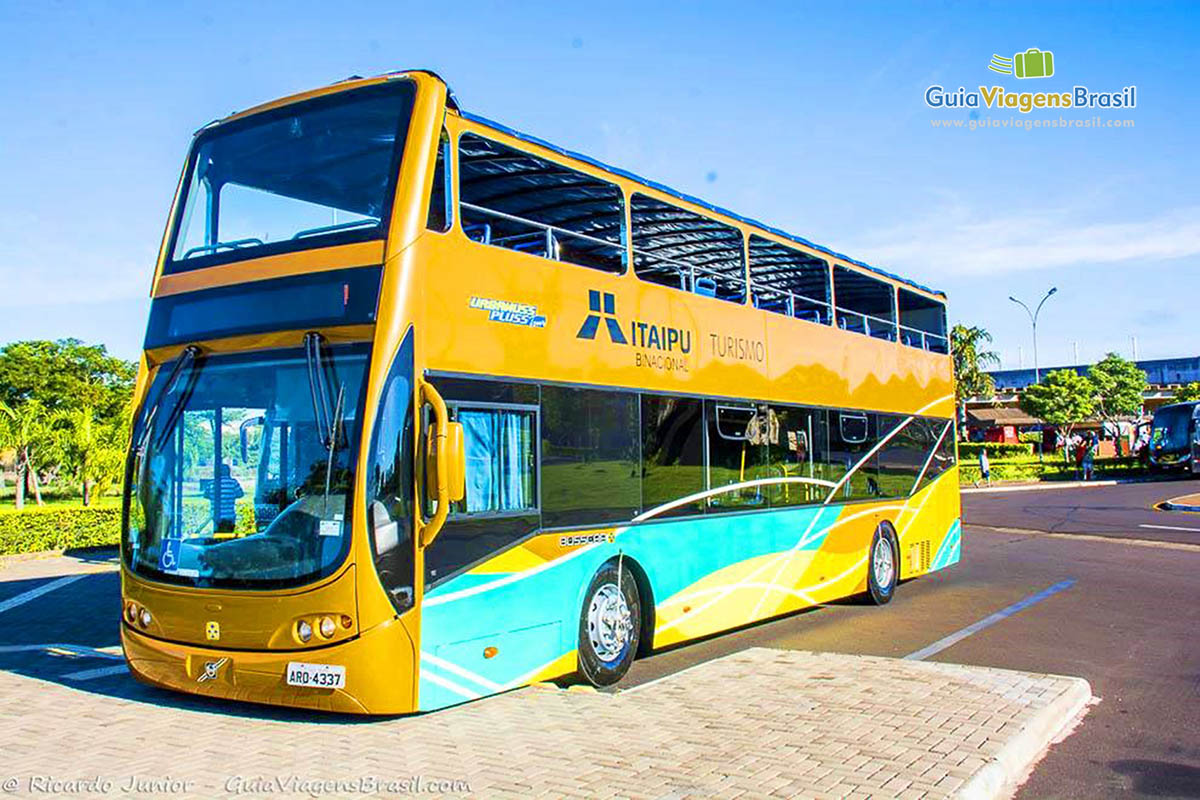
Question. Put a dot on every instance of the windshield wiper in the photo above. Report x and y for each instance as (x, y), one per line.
(328, 417)
(186, 361)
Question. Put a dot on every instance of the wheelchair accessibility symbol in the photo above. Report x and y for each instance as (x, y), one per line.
(168, 558)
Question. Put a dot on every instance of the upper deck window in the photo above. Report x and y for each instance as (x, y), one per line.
(789, 281)
(676, 247)
(922, 322)
(864, 304)
(308, 174)
(510, 198)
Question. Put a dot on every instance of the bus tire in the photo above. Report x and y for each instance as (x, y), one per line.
(883, 565)
(610, 625)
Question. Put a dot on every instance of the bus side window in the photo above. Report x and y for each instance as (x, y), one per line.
(513, 199)
(500, 461)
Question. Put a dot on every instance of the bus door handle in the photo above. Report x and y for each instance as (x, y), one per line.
(445, 462)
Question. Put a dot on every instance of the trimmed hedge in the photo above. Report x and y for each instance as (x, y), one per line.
(994, 449)
(1054, 469)
(36, 529)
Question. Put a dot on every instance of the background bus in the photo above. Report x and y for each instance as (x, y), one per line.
(431, 409)
(1173, 436)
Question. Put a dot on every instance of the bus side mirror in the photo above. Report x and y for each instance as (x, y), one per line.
(456, 462)
(456, 454)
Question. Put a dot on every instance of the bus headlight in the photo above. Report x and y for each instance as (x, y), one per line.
(145, 619)
(328, 627)
(131, 612)
(304, 630)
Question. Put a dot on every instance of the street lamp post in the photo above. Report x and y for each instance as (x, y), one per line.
(1033, 320)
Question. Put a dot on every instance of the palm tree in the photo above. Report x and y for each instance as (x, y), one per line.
(971, 359)
(24, 431)
(92, 449)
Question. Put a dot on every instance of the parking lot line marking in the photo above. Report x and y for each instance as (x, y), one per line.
(1170, 528)
(92, 674)
(76, 650)
(33, 594)
(987, 622)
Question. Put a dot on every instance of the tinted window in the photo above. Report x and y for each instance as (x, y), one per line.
(903, 457)
(852, 434)
(673, 452)
(944, 457)
(499, 445)
(738, 435)
(798, 455)
(305, 175)
(324, 299)
(500, 503)
(390, 481)
(590, 456)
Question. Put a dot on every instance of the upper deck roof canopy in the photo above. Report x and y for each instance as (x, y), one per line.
(452, 103)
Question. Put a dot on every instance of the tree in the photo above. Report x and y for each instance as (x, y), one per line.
(1188, 392)
(971, 358)
(65, 374)
(1119, 387)
(1064, 398)
(93, 451)
(26, 431)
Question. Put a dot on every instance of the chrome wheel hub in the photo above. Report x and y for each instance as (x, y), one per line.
(883, 564)
(609, 622)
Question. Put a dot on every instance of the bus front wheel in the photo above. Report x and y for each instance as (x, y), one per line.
(610, 625)
(883, 565)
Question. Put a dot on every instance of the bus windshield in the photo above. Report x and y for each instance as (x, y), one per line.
(1172, 429)
(309, 174)
(242, 468)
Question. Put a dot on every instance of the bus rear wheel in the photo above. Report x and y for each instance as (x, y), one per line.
(883, 565)
(610, 625)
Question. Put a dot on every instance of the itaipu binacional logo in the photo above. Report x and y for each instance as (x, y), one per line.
(1031, 63)
(660, 347)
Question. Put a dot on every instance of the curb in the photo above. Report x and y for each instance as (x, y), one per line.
(1033, 487)
(1008, 769)
(1172, 505)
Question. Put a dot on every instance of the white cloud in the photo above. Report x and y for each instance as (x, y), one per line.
(959, 243)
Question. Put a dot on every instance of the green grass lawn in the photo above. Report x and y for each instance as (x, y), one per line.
(55, 500)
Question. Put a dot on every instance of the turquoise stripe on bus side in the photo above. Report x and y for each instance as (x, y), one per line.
(951, 548)
(554, 593)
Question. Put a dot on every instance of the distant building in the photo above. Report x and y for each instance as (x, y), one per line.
(999, 418)
(1160, 372)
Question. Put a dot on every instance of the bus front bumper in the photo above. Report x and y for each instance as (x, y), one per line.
(379, 677)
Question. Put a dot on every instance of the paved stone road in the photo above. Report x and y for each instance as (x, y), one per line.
(759, 723)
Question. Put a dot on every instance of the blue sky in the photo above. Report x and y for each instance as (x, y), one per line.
(809, 117)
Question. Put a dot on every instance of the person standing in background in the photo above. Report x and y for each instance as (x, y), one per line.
(985, 471)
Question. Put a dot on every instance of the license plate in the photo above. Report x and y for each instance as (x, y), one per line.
(320, 676)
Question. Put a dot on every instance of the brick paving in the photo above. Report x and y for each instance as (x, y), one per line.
(759, 723)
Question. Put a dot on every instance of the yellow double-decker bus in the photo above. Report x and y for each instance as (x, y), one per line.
(430, 408)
